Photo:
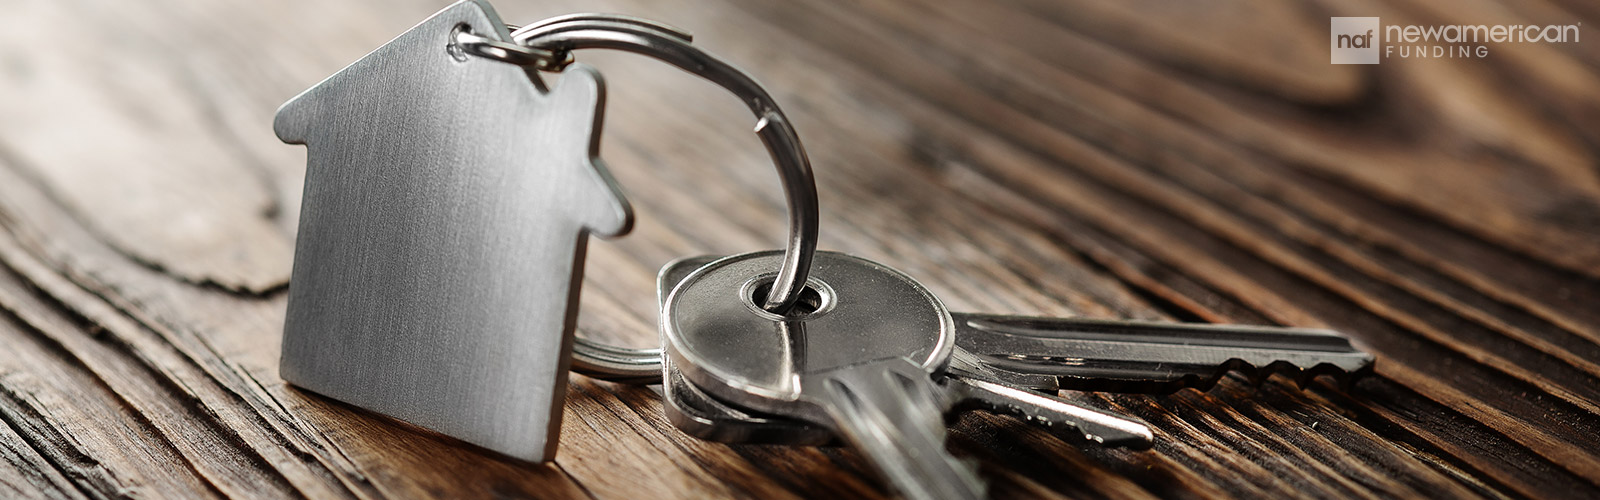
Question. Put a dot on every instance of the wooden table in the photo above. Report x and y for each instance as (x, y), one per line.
(1195, 161)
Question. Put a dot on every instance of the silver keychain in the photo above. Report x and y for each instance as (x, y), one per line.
(449, 196)
(858, 362)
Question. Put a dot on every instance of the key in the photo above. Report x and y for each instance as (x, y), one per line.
(1150, 357)
(1027, 353)
(973, 385)
(861, 361)
(858, 355)
(705, 417)
(699, 415)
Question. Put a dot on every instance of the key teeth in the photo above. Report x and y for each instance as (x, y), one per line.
(1346, 380)
(1343, 378)
(1302, 377)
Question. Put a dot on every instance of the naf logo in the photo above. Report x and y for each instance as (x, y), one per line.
(1354, 40)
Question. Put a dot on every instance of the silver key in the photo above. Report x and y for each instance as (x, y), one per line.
(861, 361)
(863, 365)
(1149, 357)
(705, 417)
(700, 415)
(971, 384)
(1020, 352)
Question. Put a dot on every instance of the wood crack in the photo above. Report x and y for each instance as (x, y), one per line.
(20, 169)
(59, 451)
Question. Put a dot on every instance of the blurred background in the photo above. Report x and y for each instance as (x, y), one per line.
(1197, 160)
(152, 118)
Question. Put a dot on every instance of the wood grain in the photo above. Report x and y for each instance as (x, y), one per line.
(1195, 162)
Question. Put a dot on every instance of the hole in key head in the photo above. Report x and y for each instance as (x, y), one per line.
(809, 302)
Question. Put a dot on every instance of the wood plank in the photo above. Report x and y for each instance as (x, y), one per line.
(1079, 158)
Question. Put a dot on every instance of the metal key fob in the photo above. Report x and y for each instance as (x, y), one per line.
(447, 203)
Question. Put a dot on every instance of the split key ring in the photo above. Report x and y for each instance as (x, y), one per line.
(548, 45)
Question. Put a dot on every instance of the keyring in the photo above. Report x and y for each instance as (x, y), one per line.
(549, 45)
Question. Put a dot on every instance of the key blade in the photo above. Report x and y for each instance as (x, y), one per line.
(892, 411)
(1095, 425)
(1152, 357)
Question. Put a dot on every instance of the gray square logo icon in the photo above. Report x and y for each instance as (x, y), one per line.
(1354, 40)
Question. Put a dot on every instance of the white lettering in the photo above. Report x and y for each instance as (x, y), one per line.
(1432, 33)
(1553, 38)
(1455, 40)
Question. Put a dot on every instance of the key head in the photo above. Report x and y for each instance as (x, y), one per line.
(855, 311)
(858, 356)
(700, 415)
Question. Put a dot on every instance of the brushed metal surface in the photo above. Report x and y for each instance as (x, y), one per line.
(698, 414)
(861, 359)
(729, 347)
(447, 204)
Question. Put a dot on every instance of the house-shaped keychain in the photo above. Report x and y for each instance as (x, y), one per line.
(447, 203)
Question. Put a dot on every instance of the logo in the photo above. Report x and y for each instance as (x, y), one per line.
(1355, 40)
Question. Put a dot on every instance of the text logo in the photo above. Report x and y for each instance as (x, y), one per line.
(1354, 40)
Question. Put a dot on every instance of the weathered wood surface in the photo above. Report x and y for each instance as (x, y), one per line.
(1197, 161)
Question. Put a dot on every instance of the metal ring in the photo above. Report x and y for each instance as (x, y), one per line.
(521, 55)
(603, 31)
(624, 365)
